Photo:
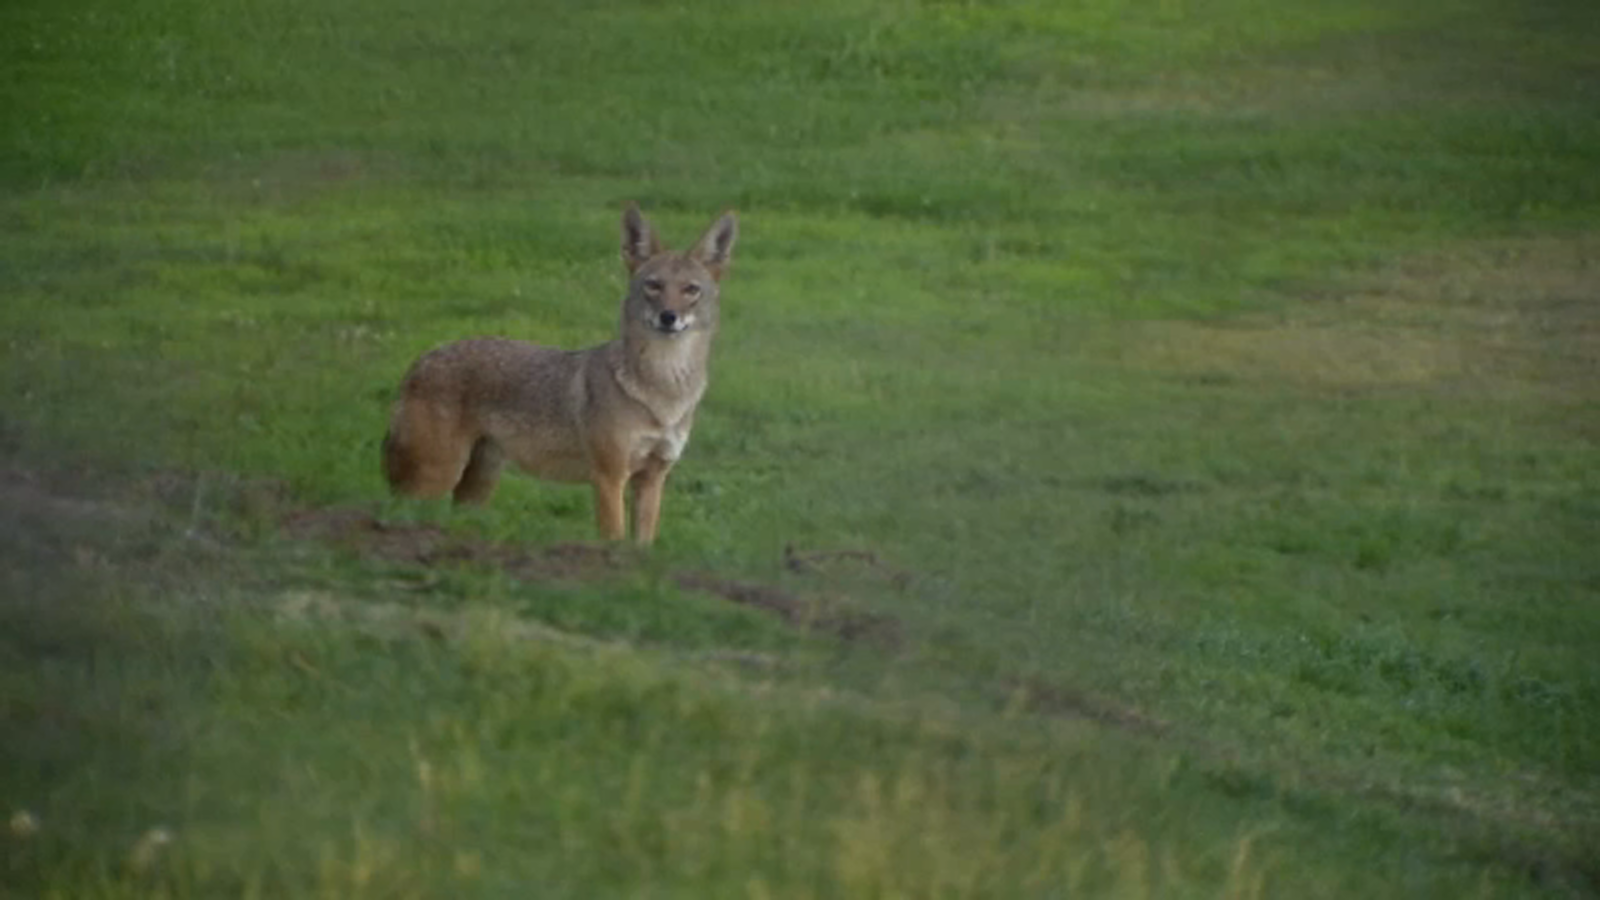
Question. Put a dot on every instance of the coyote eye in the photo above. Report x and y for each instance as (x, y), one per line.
(691, 290)
(654, 285)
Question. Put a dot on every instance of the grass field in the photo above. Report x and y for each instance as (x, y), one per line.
(1153, 451)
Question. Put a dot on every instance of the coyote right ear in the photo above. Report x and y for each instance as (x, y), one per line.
(639, 240)
(716, 247)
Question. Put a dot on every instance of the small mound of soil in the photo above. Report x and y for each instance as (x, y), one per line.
(429, 545)
(801, 612)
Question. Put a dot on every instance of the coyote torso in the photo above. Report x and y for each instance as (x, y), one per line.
(619, 413)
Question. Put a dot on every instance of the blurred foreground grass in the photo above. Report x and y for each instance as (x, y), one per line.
(1212, 384)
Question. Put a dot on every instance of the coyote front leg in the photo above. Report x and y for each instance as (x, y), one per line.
(647, 485)
(608, 472)
(608, 506)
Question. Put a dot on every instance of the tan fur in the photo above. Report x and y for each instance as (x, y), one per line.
(614, 416)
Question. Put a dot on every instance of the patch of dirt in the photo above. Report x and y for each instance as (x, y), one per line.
(429, 545)
(810, 614)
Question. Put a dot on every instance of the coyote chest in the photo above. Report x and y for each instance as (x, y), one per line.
(664, 432)
(666, 445)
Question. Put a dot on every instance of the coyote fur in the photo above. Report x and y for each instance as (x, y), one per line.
(614, 416)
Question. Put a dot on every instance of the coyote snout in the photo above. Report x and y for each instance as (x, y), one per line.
(614, 415)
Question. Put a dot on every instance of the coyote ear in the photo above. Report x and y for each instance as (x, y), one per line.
(639, 241)
(715, 248)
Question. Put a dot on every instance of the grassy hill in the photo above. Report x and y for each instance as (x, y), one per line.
(1152, 451)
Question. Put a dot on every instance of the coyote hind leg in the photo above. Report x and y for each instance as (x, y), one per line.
(425, 452)
(481, 474)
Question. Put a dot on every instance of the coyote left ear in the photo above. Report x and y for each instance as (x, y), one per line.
(639, 240)
(715, 248)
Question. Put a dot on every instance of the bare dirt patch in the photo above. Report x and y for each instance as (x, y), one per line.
(811, 614)
(361, 532)
(430, 545)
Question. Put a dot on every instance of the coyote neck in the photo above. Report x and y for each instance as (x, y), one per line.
(666, 375)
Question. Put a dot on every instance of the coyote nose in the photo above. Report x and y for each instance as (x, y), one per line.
(668, 318)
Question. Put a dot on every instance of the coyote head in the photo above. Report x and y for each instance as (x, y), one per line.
(673, 293)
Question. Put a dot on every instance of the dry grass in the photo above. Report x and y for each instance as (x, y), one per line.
(1508, 315)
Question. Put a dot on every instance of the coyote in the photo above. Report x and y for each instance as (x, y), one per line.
(613, 415)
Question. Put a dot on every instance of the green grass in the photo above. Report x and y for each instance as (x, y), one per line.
(1212, 383)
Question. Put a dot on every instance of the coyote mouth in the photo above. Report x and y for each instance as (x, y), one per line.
(676, 326)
